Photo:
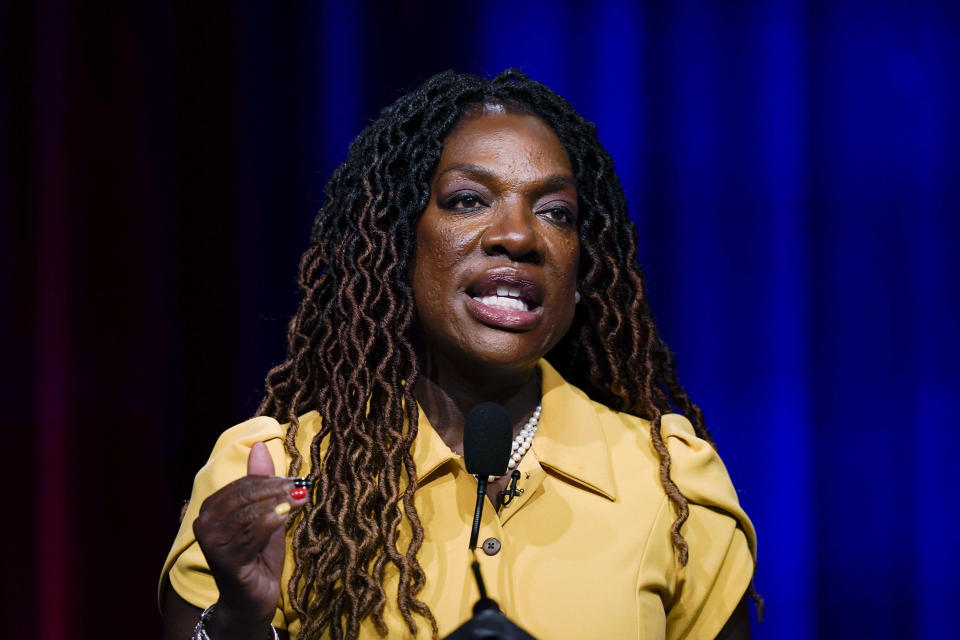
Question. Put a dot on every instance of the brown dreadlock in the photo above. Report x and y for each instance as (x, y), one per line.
(352, 356)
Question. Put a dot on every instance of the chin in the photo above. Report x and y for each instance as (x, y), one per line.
(504, 354)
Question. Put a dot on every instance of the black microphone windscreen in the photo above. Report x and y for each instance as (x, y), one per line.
(487, 440)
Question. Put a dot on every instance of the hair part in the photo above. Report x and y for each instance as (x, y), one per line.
(352, 355)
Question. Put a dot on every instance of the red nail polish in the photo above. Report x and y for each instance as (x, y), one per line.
(299, 493)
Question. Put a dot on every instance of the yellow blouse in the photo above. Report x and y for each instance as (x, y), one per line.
(584, 552)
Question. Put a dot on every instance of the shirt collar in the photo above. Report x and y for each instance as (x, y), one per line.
(430, 453)
(569, 440)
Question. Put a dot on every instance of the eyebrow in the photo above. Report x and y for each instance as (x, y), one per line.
(553, 183)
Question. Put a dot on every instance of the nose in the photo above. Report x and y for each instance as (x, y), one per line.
(513, 233)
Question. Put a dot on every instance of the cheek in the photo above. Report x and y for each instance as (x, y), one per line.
(571, 263)
(450, 246)
(567, 276)
(442, 254)
(438, 252)
(438, 245)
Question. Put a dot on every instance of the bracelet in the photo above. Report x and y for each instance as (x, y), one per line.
(200, 631)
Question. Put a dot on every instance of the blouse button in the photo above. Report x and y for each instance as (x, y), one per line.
(491, 546)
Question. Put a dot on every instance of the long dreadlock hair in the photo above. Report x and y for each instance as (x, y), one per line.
(352, 345)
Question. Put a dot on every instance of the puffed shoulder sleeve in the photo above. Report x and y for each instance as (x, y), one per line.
(721, 537)
(185, 565)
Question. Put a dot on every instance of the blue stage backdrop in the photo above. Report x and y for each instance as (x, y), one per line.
(792, 168)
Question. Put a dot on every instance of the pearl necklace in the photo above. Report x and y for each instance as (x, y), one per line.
(524, 439)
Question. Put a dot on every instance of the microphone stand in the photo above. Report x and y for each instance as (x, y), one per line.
(478, 513)
(488, 622)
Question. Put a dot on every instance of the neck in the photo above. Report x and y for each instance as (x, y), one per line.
(447, 393)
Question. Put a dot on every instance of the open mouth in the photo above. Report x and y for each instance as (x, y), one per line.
(506, 299)
(506, 291)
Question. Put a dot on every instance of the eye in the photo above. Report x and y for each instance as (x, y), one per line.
(463, 200)
(559, 214)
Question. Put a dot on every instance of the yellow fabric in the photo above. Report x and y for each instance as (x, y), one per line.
(586, 550)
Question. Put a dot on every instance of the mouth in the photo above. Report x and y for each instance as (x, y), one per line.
(506, 300)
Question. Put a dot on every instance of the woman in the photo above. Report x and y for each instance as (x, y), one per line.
(475, 246)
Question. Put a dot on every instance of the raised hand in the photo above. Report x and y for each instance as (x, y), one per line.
(241, 532)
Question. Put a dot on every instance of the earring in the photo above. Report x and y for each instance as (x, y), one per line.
(576, 297)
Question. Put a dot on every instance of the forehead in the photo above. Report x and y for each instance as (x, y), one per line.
(507, 140)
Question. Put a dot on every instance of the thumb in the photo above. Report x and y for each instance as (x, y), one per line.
(259, 463)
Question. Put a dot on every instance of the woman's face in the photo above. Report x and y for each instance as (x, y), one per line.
(497, 247)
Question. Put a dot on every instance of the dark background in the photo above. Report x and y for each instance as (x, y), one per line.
(792, 168)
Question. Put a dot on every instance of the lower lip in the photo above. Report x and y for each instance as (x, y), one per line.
(504, 318)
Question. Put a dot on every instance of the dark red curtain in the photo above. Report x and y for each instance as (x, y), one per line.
(161, 167)
(121, 250)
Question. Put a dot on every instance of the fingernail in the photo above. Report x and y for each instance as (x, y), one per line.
(302, 482)
(282, 509)
(299, 493)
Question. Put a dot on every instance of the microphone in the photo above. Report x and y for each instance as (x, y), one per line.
(487, 440)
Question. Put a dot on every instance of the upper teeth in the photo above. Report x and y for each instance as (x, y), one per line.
(507, 291)
(503, 302)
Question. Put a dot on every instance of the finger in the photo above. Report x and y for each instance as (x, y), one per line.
(243, 491)
(274, 550)
(263, 543)
(263, 516)
(239, 529)
(249, 489)
(247, 533)
(241, 502)
(259, 463)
